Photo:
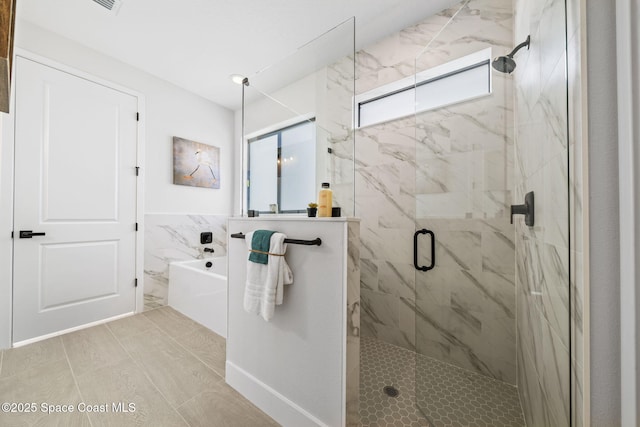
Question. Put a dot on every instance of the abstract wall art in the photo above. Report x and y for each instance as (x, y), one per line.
(195, 164)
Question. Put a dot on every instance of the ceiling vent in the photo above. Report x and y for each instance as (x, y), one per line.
(111, 5)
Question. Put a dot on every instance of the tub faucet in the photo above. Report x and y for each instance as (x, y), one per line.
(209, 250)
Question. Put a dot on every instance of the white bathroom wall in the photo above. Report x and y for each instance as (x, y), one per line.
(6, 224)
(298, 98)
(170, 111)
(603, 206)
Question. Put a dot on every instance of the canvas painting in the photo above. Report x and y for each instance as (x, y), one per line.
(195, 164)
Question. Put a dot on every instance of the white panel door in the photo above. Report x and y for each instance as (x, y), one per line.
(75, 181)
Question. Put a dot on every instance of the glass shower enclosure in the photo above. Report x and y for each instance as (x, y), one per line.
(464, 308)
(491, 288)
(297, 113)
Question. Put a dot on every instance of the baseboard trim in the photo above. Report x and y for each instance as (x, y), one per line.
(66, 331)
(277, 406)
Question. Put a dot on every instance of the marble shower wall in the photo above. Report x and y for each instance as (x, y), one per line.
(542, 251)
(352, 392)
(176, 237)
(449, 170)
(576, 214)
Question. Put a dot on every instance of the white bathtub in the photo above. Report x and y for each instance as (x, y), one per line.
(200, 292)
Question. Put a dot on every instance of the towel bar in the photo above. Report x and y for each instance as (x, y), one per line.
(315, 242)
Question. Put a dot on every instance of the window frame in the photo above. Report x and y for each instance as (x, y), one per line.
(270, 131)
(448, 69)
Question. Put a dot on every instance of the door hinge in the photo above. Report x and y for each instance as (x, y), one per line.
(137, 170)
(12, 234)
(137, 117)
(136, 282)
(136, 226)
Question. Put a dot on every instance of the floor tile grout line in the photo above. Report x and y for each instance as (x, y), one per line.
(175, 409)
(174, 341)
(245, 403)
(93, 328)
(373, 363)
(73, 375)
(29, 367)
(414, 354)
(133, 335)
(144, 371)
(150, 309)
(160, 329)
(189, 351)
(116, 338)
(138, 364)
(197, 358)
(189, 400)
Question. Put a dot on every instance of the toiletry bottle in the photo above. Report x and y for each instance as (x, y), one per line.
(325, 200)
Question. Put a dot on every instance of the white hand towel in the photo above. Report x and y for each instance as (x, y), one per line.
(264, 287)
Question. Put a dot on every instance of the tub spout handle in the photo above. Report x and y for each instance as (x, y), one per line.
(209, 250)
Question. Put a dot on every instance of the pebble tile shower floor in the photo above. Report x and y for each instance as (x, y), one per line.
(450, 396)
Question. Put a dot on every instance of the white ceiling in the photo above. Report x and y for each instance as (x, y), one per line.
(198, 44)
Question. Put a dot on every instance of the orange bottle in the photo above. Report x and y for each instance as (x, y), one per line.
(325, 201)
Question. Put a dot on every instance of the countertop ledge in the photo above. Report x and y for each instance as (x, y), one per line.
(294, 218)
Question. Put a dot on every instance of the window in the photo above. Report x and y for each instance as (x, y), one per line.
(455, 81)
(282, 169)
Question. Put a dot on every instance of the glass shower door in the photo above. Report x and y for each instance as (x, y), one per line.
(491, 315)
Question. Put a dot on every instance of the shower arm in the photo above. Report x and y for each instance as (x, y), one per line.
(526, 43)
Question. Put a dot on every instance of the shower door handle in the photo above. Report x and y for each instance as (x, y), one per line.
(415, 250)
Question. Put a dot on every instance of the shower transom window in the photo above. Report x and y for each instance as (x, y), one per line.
(455, 81)
(281, 175)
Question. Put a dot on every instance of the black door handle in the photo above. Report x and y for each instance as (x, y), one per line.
(528, 209)
(415, 250)
(27, 234)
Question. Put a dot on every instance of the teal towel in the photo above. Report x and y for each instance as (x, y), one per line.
(260, 242)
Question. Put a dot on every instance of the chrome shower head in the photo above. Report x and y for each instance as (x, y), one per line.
(506, 64)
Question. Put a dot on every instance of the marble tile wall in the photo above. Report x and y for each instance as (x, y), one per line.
(542, 252)
(353, 325)
(449, 170)
(176, 237)
(576, 217)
